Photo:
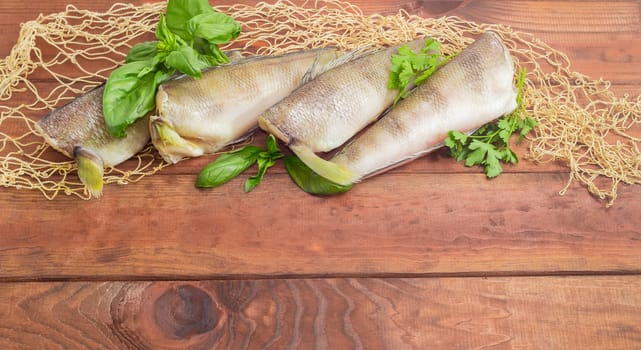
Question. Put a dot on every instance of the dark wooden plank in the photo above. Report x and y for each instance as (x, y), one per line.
(442, 223)
(459, 313)
(602, 38)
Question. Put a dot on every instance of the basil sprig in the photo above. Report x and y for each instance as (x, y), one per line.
(229, 165)
(187, 41)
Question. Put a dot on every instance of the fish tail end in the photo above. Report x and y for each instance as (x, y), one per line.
(90, 170)
(171, 146)
(266, 125)
(329, 170)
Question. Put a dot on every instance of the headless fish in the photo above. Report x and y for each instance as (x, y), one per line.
(197, 117)
(471, 90)
(77, 130)
(325, 113)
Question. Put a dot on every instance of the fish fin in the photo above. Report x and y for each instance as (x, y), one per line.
(244, 137)
(234, 55)
(171, 146)
(351, 56)
(90, 169)
(320, 65)
(329, 170)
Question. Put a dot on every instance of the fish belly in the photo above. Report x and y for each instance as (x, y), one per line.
(471, 90)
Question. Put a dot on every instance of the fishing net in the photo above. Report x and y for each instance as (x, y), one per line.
(581, 122)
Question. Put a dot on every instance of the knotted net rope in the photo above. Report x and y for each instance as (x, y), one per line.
(582, 124)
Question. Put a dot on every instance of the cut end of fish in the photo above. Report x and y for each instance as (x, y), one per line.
(329, 170)
(172, 147)
(270, 128)
(90, 170)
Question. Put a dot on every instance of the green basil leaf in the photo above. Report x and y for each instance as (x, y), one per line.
(128, 97)
(142, 52)
(309, 181)
(272, 146)
(227, 166)
(186, 60)
(155, 64)
(264, 163)
(215, 27)
(179, 12)
(210, 53)
(165, 35)
(252, 182)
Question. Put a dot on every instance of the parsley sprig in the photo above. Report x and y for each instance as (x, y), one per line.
(409, 66)
(489, 146)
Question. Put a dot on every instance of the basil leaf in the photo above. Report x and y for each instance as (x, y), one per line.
(227, 166)
(130, 90)
(210, 52)
(264, 162)
(272, 146)
(128, 97)
(179, 12)
(142, 52)
(154, 64)
(186, 60)
(164, 34)
(309, 181)
(215, 27)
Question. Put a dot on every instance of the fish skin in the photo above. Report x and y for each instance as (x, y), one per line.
(323, 114)
(80, 123)
(474, 88)
(197, 117)
(77, 129)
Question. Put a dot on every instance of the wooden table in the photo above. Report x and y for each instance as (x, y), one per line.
(428, 256)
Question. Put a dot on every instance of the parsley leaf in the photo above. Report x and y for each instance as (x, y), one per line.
(409, 67)
(489, 145)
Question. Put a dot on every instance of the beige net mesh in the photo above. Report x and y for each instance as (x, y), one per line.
(581, 122)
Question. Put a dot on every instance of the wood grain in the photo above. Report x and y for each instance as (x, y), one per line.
(451, 224)
(444, 313)
(501, 264)
(601, 37)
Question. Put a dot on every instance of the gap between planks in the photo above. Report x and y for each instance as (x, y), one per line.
(328, 276)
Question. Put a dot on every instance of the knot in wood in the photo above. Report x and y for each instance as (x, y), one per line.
(184, 311)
